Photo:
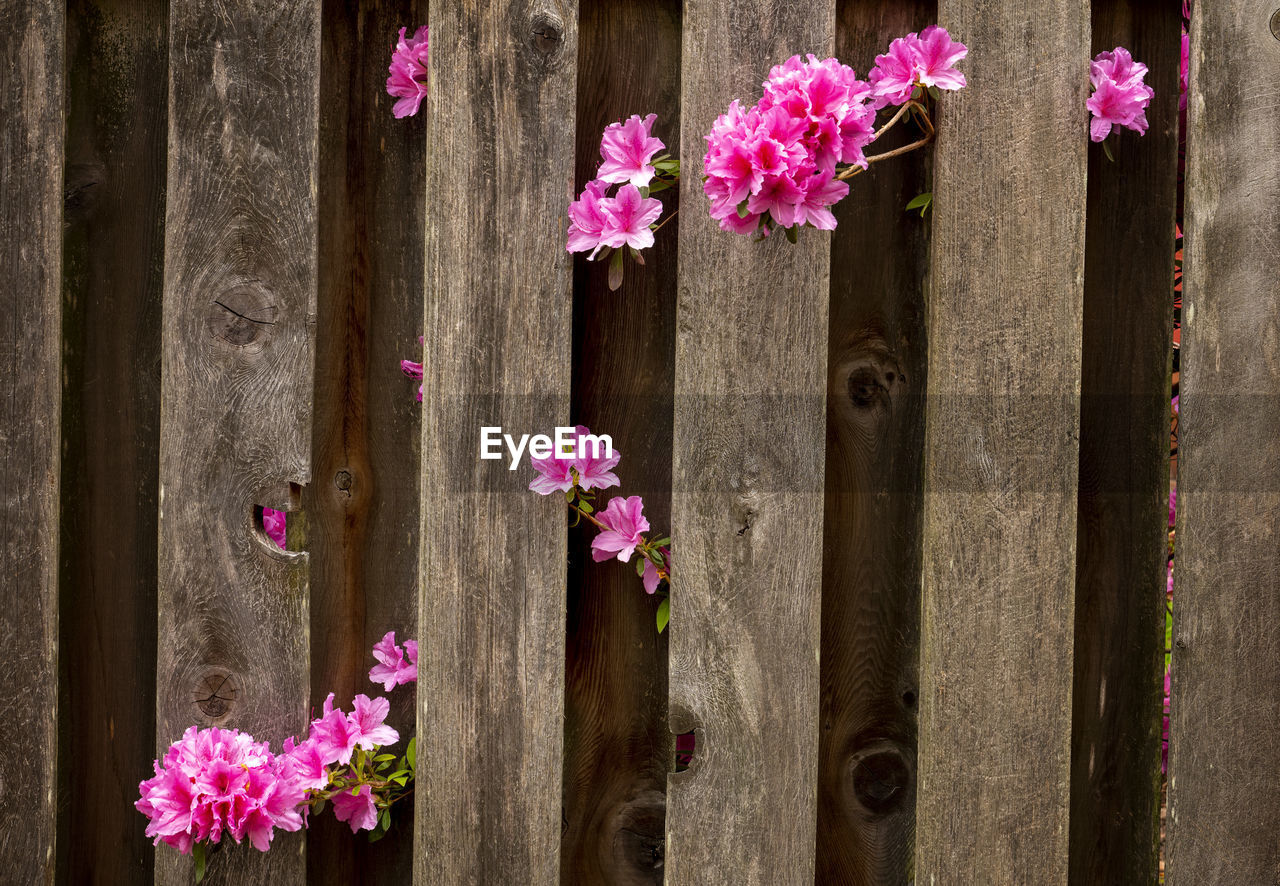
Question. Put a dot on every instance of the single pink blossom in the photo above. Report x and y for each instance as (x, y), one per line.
(587, 218)
(628, 149)
(411, 649)
(408, 80)
(1184, 70)
(593, 466)
(925, 59)
(358, 810)
(555, 474)
(273, 523)
(391, 669)
(821, 192)
(1120, 96)
(367, 718)
(335, 734)
(413, 370)
(628, 217)
(305, 765)
(626, 524)
(937, 55)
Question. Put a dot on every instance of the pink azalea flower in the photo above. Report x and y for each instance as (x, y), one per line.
(1184, 71)
(925, 59)
(595, 471)
(821, 192)
(335, 734)
(358, 810)
(391, 669)
(305, 765)
(650, 577)
(1120, 97)
(273, 522)
(628, 217)
(555, 474)
(411, 648)
(367, 718)
(408, 80)
(937, 55)
(213, 782)
(587, 218)
(627, 149)
(626, 524)
(779, 196)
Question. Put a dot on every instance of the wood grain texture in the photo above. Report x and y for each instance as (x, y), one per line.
(31, 144)
(1224, 764)
(498, 323)
(617, 746)
(1121, 528)
(238, 353)
(749, 437)
(871, 531)
(1001, 448)
(360, 515)
(112, 287)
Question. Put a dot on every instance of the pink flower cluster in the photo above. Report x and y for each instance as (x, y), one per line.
(924, 60)
(408, 80)
(335, 735)
(1120, 97)
(777, 161)
(392, 669)
(597, 220)
(586, 470)
(217, 781)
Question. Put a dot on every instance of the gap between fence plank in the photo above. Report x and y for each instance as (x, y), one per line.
(749, 445)
(360, 516)
(498, 322)
(1001, 447)
(113, 268)
(31, 144)
(238, 351)
(1224, 750)
(871, 542)
(618, 749)
(1121, 529)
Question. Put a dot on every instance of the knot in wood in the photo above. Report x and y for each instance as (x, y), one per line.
(1275, 24)
(880, 778)
(215, 693)
(242, 316)
(547, 34)
(342, 480)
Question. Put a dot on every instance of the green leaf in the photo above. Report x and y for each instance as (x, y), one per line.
(933, 91)
(197, 852)
(743, 212)
(412, 752)
(791, 233)
(615, 272)
(635, 253)
(658, 185)
(397, 774)
(640, 566)
(585, 507)
(381, 757)
(921, 201)
(384, 821)
(644, 192)
(1106, 149)
(664, 614)
(662, 542)
(402, 780)
(915, 93)
(355, 791)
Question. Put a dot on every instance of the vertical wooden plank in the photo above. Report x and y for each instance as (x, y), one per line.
(31, 140)
(871, 530)
(1001, 450)
(749, 438)
(498, 323)
(112, 286)
(1224, 763)
(238, 352)
(1121, 528)
(361, 512)
(617, 746)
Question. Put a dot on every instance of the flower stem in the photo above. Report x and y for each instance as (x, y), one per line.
(919, 113)
(673, 214)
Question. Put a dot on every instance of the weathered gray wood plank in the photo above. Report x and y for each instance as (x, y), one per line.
(361, 512)
(1007, 268)
(113, 267)
(238, 351)
(31, 140)
(498, 322)
(749, 444)
(1121, 529)
(1224, 763)
(871, 531)
(617, 745)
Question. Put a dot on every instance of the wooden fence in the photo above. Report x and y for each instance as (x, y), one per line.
(918, 637)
